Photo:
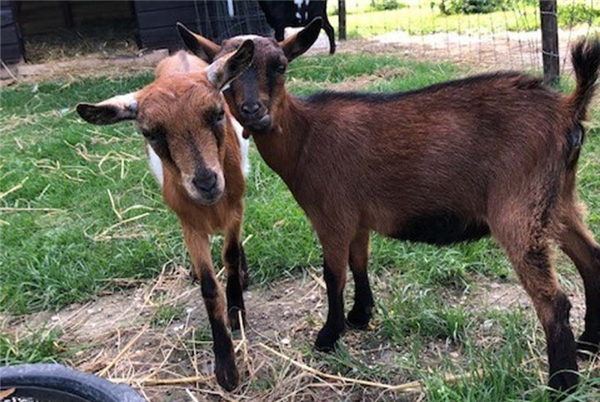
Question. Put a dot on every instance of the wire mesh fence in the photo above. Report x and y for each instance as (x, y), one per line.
(219, 20)
(486, 33)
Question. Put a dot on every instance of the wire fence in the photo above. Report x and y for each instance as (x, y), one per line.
(486, 33)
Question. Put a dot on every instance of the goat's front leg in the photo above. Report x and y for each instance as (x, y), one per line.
(279, 32)
(199, 248)
(362, 311)
(334, 271)
(237, 275)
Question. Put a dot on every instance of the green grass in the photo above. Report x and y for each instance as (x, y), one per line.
(41, 346)
(52, 159)
(421, 17)
(76, 250)
(164, 314)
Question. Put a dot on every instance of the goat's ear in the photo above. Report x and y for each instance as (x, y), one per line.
(110, 111)
(199, 45)
(227, 68)
(297, 44)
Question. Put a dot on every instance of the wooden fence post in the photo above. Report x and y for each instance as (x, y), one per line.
(548, 14)
(342, 19)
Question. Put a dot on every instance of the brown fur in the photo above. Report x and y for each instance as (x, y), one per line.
(177, 115)
(492, 154)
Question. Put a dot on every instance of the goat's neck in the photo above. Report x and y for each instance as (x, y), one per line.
(283, 146)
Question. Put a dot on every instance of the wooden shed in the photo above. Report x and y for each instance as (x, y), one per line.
(151, 23)
(10, 36)
(216, 20)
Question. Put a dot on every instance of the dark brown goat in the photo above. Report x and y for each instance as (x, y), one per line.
(491, 154)
(197, 157)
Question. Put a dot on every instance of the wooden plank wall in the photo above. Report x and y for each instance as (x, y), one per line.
(157, 19)
(47, 17)
(12, 46)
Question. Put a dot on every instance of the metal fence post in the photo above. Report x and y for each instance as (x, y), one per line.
(548, 14)
(342, 19)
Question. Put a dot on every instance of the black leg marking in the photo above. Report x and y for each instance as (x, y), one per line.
(589, 341)
(335, 325)
(244, 266)
(235, 300)
(579, 245)
(561, 347)
(279, 33)
(362, 311)
(330, 34)
(225, 369)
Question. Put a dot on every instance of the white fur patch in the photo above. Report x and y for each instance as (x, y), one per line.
(299, 5)
(211, 73)
(127, 105)
(247, 37)
(155, 165)
(244, 145)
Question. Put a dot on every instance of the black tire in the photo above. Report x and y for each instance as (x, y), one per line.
(55, 382)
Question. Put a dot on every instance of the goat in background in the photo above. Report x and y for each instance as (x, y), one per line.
(296, 13)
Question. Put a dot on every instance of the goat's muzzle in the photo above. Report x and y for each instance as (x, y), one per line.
(259, 125)
(205, 187)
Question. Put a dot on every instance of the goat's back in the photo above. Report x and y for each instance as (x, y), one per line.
(180, 62)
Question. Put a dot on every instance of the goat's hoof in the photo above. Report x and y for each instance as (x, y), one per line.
(359, 318)
(327, 339)
(588, 345)
(234, 318)
(227, 374)
(563, 382)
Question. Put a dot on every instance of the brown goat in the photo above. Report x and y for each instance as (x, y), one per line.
(197, 157)
(491, 154)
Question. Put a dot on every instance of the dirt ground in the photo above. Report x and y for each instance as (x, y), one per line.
(119, 337)
(499, 51)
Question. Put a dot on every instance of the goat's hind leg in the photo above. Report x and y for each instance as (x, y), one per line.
(234, 260)
(527, 246)
(578, 243)
(330, 34)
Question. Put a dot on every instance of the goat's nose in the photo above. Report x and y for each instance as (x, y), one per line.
(205, 181)
(250, 108)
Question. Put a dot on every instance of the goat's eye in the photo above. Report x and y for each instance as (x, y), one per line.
(216, 116)
(280, 69)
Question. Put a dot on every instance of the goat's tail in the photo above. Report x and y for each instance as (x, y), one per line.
(585, 57)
